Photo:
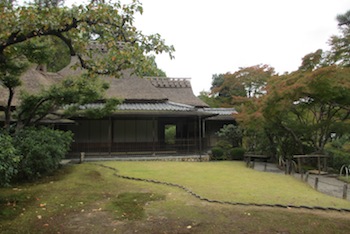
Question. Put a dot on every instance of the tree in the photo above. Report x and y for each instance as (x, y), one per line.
(340, 51)
(344, 19)
(110, 25)
(247, 82)
(217, 81)
(312, 61)
(154, 70)
(226, 85)
(232, 134)
(299, 112)
(49, 3)
(10, 79)
(7, 2)
(210, 99)
(301, 109)
(72, 94)
(309, 106)
(219, 96)
(9, 160)
(28, 32)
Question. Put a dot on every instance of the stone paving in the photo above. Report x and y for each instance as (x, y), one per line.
(327, 184)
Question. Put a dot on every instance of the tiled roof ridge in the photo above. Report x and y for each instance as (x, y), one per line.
(165, 82)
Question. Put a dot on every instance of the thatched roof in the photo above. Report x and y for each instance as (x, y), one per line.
(149, 89)
(133, 89)
(33, 81)
(130, 87)
(72, 69)
(177, 90)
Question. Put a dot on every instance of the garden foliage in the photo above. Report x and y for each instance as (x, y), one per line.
(32, 153)
(223, 150)
(42, 150)
(339, 150)
(9, 159)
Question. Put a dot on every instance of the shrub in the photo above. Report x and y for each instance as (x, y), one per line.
(217, 153)
(237, 153)
(9, 160)
(221, 150)
(339, 152)
(42, 150)
(232, 134)
(338, 158)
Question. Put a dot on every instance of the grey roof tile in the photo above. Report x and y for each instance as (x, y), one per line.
(220, 111)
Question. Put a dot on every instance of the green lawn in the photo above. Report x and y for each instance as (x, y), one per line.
(231, 181)
(88, 198)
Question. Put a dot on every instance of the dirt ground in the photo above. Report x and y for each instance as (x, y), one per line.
(208, 218)
(185, 214)
(213, 218)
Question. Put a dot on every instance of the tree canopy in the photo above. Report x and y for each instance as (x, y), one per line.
(298, 112)
(235, 88)
(101, 34)
(110, 25)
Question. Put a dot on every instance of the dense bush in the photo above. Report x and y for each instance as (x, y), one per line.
(338, 158)
(237, 153)
(223, 150)
(9, 160)
(217, 153)
(339, 150)
(42, 150)
(231, 133)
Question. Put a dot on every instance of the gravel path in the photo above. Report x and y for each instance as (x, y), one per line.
(327, 184)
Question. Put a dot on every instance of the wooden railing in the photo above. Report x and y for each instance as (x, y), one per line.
(250, 159)
(318, 156)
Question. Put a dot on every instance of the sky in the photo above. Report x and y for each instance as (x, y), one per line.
(219, 36)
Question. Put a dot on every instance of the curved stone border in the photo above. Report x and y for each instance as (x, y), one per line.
(320, 208)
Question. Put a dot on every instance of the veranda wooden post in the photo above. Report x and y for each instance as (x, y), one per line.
(299, 167)
(345, 191)
(306, 177)
(110, 136)
(153, 136)
(200, 137)
(316, 183)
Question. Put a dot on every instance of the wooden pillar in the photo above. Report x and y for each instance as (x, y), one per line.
(345, 191)
(306, 177)
(299, 168)
(195, 136)
(110, 135)
(248, 161)
(319, 164)
(316, 183)
(153, 136)
(200, 137)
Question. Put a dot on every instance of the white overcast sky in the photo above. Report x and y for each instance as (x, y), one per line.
(220, 36)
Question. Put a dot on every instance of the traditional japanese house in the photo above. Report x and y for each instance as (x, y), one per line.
(157, 116)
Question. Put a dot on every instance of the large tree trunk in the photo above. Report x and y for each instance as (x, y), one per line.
(8, 110)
